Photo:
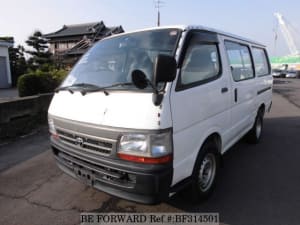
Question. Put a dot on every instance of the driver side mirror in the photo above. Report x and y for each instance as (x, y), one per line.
(164, 69)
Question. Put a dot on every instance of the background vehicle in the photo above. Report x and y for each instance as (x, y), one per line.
(291, 74)
(277, 73)
(280, 72)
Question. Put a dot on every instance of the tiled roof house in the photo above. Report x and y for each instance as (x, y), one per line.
(74, 40)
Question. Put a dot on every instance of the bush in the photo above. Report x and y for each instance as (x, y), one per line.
(29, 84)
(38, 82)
(59, 75)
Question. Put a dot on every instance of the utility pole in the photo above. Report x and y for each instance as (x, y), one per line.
(158, 5)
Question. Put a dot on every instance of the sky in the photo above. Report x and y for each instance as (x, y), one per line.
(249, 18)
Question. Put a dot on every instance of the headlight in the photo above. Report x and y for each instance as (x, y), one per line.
(146, 148)
(135, 144)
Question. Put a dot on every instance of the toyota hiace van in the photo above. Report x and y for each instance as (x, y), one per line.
(147, 113)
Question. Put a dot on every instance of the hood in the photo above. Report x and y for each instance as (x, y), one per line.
(118, 109)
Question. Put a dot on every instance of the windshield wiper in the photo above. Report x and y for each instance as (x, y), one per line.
(78, 85)
(87, 88)
(104, 89)
(69, 88)
(66, 88)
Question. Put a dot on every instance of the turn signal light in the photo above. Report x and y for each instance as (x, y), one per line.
(146, 160)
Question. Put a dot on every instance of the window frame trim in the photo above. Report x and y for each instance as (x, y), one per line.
(181, 87)
(251, 58)
(267, 60)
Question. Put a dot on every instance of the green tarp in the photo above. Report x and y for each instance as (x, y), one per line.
(285, 60)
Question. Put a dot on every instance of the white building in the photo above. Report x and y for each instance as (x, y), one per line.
(5, 75)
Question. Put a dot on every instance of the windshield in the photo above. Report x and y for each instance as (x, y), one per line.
(112, 61)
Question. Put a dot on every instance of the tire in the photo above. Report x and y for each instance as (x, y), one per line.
(254, 135)
(205, 172)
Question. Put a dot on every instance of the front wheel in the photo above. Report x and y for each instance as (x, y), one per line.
(205, 172)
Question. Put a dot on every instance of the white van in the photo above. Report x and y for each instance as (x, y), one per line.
(146, 113)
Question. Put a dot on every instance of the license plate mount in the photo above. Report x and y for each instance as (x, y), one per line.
(84, 175)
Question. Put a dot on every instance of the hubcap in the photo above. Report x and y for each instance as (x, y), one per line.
(207, 172)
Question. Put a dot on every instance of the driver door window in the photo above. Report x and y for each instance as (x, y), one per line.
(201, 64)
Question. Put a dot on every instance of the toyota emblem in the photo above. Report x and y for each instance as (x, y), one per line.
(79, 141)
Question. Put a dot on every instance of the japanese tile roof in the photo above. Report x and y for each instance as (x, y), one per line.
(79, 29)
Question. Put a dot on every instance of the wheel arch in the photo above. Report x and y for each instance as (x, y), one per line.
(262, 108)
(215, 138)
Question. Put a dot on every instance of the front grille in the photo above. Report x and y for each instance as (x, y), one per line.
(97, 145)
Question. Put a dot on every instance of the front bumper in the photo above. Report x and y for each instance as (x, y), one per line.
(143, 183)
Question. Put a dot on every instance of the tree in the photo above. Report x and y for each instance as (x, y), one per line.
(40, 54)
(18, 64)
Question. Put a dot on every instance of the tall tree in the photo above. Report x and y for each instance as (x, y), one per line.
(40, 53)
(18, 64)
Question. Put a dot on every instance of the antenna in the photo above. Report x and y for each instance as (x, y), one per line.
(158, 4)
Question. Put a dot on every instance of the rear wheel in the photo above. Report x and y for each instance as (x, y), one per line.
(254, 135)
(205, 172)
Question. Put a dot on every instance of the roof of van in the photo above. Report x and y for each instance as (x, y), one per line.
(197, 27)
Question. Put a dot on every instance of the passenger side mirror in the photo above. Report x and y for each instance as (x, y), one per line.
(164, 69)
(139, 79)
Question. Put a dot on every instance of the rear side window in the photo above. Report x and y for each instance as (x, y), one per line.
(260, 62)
(240, 61)
(201, 63)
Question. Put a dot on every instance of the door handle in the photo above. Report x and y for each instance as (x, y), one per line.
(224, 89)
(235, 95)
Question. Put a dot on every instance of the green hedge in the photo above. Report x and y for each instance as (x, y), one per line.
(39, 82)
